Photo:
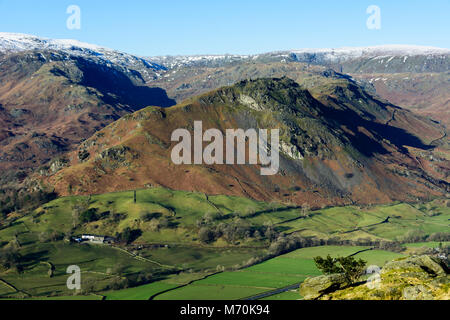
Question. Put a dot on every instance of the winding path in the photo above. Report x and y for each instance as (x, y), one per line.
(436, 140)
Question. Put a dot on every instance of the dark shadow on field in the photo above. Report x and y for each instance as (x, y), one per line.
(281, 229)
(310, 215)
(23, 243)
(257, 213)
(34, 257)
(387, 220)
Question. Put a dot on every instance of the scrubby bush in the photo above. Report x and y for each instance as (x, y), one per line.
(392, 246)
(128, 235)
(13, 200)
(414, 236)
(439, 236)
(206, 235)
(149, 216)
(10, 258)
(89, 215)
(51, 236)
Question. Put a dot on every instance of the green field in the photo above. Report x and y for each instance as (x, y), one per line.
(288, 295)
(183, 210)
(353, 223)
(283, 271)
(432, 244)
(179, 216)
(139, 293)
(205, 292)
(97, 264)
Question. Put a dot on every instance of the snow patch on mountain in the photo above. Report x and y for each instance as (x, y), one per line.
(16, 42)
(172, 62)
(396, 50)
(375, 52)
(386, 52)
(148, 67)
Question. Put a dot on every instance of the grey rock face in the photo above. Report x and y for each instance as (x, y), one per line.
(313, 288)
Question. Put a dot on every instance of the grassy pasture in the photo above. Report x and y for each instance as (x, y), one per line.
(139, 293)
(208, 292)
(183, 210)
(279, 272)
(432, 244)
(104, 265)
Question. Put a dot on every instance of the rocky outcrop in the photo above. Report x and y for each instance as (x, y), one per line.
(331, 153)
(410, 278)
(115, 157)
(424, 266)
(313, 288)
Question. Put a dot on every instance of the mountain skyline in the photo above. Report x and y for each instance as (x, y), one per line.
(102, 85)
(16, 42)
(111, 178)
(199, 27)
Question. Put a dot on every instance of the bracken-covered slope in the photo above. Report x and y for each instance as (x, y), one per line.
(50, 101)
(412, 77)
(427, 94)
(341, 147)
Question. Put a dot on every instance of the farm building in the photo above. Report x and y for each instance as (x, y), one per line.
(94, 239)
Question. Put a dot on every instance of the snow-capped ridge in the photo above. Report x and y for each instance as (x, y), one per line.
(16, 42)
(325, 55)
(377, 50)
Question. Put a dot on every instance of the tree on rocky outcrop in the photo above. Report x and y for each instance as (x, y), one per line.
(408, 278)
(351, 268)
(327, 265)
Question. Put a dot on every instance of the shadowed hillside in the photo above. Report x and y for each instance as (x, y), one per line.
(341, 150)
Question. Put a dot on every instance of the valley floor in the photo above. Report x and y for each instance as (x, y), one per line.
(266, 254)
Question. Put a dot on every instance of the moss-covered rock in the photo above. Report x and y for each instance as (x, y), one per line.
(411, 278)
(425, 265)
(313, 288)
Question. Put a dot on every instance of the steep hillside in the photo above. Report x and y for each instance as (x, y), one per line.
(129, 64)
(426, 94)
(50, 102)
(381, 59)
(378, 59)
(183, 83)
(55, 93)
(412, 77)
(340, 148)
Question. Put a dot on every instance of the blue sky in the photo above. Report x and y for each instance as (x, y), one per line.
(159, 27)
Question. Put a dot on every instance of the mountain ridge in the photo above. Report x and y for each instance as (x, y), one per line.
(327, 156)
(68, 94)
(16, 42)
(50, 102)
